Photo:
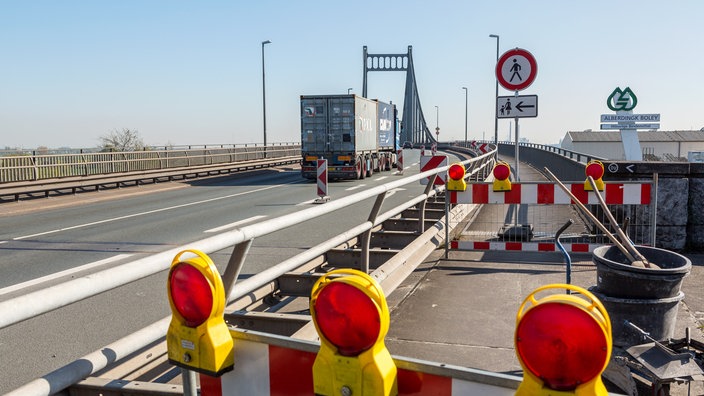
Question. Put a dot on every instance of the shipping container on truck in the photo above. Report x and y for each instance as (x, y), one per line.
(356, 135)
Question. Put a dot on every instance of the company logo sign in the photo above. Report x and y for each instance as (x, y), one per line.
(622, 100)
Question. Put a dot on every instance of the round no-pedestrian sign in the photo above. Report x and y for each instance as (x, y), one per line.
(516, 69)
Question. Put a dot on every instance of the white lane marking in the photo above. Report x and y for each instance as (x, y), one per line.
(70, 271)
(355, 187)
(380, 178)
(1, 242)
(147, 212)
(235, 224)
(394, 191)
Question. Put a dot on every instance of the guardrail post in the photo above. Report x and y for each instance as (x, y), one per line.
(421, 209)
(36, 168)
(234, 266)
(367, 235)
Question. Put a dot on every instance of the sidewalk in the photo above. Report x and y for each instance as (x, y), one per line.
(462, 310)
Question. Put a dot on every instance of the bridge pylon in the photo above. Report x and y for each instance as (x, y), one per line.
(413, 125)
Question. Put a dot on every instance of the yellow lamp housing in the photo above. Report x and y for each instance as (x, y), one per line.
(563, 342)
(455, 178)
(502, 179)
(350, 313)
(198, 338)
(595, 169)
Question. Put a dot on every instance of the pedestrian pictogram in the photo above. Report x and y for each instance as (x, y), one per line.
(516, 69)
(517, 106)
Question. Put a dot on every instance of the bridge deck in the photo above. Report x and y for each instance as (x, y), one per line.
(462, 310)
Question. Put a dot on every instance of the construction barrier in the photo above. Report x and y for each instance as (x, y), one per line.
(551, 194)
(433, 162)
(531, 204)
(267, 364)
(399, 161)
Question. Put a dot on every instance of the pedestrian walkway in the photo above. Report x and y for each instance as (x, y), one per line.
(462, 310)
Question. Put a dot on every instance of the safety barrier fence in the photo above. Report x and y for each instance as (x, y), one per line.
(263, 366)
(240, 240)
(19, 168)
(521, 218)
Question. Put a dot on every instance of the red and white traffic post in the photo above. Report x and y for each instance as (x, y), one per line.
(322, 181)
(399, 161)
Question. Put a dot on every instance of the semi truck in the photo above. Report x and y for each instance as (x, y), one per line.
(356, 135)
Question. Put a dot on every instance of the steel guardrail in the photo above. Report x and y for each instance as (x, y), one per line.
(42, 301)
(25, 175)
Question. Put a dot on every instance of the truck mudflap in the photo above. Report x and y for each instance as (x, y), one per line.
(267, 364)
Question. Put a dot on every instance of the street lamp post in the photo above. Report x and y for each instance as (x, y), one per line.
(264, 93)
(466, 102)
(349, 90)
(437, 123)
(496, 116)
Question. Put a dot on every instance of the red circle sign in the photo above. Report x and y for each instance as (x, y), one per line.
(516, 69)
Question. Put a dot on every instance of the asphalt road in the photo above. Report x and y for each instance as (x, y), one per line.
(46, 241)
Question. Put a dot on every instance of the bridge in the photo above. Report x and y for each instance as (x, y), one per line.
(89, 262)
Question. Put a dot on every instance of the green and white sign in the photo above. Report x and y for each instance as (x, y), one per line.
(622, 100)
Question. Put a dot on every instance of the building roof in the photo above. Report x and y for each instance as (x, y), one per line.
(645, 136)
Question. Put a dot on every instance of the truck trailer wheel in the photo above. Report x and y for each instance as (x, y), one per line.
(361, 172)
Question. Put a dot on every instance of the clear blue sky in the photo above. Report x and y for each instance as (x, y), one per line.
(186, 72)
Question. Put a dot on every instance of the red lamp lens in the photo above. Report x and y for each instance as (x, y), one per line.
(561, 344)
(191, 294)
(456, 172)
(595, 170)
(348, 318)
(501, 172)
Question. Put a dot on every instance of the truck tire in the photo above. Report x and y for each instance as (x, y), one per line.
(361, 169)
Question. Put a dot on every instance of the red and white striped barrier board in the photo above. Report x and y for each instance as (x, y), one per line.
(399, 161)
(264, 369)
(484, 148)
(552, 194)
(433, 162)
(322, 178)
(523, 246)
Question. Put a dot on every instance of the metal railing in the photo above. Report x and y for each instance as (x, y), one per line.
(35, 167)
(51, 298)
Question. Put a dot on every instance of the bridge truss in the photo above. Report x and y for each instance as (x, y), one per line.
(413, 125)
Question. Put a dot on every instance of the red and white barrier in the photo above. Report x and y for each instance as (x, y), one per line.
(433, 162)
(265, 369)
(551, 194)
(399, 161)
(322, 180)
(523, 246)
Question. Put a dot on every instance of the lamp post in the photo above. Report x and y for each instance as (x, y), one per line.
(496, 117)
(264, 93)
(466, 102)
(349, 90)
(437, 123)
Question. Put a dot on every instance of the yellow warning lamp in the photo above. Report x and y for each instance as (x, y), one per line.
(198, 338)
(350, 313)
(563, 343)
(455, 178)
(501, 172)
(595, 169)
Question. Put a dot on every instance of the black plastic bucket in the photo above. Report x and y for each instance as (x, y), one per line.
(655, 316)
(615, 277)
